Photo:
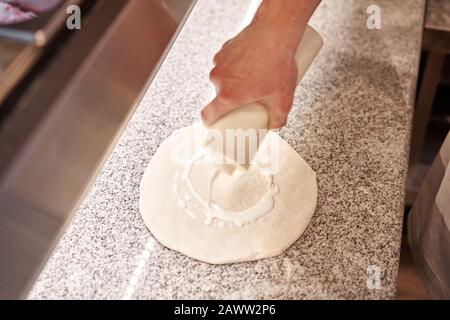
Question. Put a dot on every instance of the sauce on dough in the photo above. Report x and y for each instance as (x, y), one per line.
(212, 211)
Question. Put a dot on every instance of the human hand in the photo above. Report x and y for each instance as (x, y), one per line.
(254, 66)
(258, 65)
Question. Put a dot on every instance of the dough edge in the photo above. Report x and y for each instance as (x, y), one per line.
(164, 239)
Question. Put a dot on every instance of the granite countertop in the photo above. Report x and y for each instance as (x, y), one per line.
(351, 122)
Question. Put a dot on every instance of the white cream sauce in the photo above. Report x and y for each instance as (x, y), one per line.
(213, 212)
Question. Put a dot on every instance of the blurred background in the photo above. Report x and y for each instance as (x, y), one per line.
(431, 124)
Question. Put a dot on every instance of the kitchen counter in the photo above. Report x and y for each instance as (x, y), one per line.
(351, 122)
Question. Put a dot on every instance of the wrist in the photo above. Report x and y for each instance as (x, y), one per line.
(285, 20)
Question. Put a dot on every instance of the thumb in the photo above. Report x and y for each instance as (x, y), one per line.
(278, 110)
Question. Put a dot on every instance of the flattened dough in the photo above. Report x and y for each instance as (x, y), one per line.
(219, 243)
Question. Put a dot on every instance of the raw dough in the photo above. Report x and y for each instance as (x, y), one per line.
(174, 215)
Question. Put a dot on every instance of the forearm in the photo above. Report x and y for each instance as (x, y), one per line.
(287, 19)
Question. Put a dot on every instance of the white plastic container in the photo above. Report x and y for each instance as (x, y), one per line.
(254, 115)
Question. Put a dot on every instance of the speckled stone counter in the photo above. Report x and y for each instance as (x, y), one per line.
(351, 122)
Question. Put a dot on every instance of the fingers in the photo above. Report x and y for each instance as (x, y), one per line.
(278, 109)
(277, 121)
(227, 99)
(214, 75)
(215, 110)
(222, 52)
(217, 57)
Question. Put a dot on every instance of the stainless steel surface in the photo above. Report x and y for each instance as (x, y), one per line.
(58, 133)
(16, 58)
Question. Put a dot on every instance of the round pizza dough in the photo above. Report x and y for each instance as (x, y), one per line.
(174, 217)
